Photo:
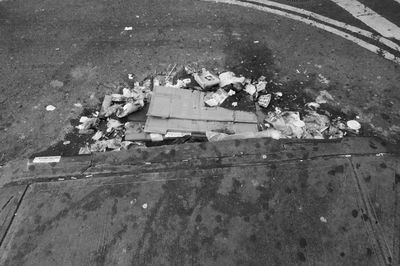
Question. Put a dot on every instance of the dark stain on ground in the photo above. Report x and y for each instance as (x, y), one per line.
(354, 213)
(383, 165)
(303, 242)
(367, 179)
(397, 178)
(301, 257)
(244, 57)
(338, 170)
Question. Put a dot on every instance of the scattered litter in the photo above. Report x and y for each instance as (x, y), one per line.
(144, 206)
(173, 135)
(256, 41)
(324, 97)
(84, 150)
(97, 136)
(379, 154)
(216, 98)
(250, 89)
(231, 92)
(205, 79)
(264, 100)
(323, 79)
(269, 133)
(313, 105)
(50, 108)
(66, 142)
(128, 28)
(323, 219)
(264, 156)
(184, 103)
(261, 86)
(354, 125)
(228, 78)
(47, 159)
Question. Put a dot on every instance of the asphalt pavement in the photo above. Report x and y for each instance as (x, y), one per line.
(252, 202)
(65, 53)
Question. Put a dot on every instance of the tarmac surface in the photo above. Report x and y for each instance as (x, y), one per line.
(244, 202)
(67, 52)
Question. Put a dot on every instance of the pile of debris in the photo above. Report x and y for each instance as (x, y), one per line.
(192, 102)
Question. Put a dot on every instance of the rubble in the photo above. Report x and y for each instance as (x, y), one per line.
(228, 78)
(264, 100)
(205, 79)
(192, 104)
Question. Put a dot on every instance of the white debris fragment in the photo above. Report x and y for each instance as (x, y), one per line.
(228, 78)
(97, 136)
(234, 104)
(323, 219)
(354, 125)
(128, 28)
(144, 206)
(50, 108)
(66, 142)
(231, 92)
(324, 97)
(78, 105)
(264, 100)
(250, 89)
(323, 79)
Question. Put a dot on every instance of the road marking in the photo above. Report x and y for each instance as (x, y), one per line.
(358, 41)
(370, 18)
(336, 23)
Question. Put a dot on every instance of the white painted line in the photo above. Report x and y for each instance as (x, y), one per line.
(330, 29)
(370, 18)
(336, 23)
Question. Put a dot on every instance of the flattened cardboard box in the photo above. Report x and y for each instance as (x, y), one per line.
(169, 102)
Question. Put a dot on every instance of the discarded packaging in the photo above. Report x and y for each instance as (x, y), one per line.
(250, 89)
(324, 97)
(129, 108)
(288, 123)
(354, 125)
(261, 86)
(228, 78)
(216, 98)
(205, 79)
(98, 135)
(269, 133)
(264, 100)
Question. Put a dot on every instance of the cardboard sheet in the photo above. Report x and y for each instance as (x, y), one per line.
(168, 102)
